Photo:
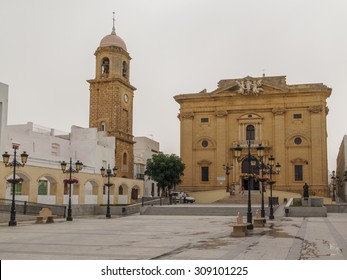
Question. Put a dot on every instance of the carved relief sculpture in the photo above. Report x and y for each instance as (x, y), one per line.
(250, 87)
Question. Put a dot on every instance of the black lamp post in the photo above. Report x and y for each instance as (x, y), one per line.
(251, 162)
(271, 171)
(108, 173)
(14, 180)
(70, 181)
(227, 169)
(260, 152)
(333, 177)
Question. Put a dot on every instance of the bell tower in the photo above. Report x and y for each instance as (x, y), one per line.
(111, 99)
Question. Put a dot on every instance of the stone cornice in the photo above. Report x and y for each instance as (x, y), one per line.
(204, 162)
(112, 49)
(186, 115)
(315, 109)
(278, 111)
(221, 114)
(111, 80)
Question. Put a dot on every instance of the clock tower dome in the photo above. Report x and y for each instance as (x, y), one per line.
(111, 99)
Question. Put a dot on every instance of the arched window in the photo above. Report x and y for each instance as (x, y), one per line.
(120, 190)
(42, 187)
(250, 132)
(102, 126)
(125, 159)
(134, 193)
(125, 70)
(105, 67)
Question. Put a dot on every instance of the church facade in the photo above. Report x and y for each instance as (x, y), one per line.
(111, 99)
(288, 121)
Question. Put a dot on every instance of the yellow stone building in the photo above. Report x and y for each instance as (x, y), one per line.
(289, 121)
(111, 99)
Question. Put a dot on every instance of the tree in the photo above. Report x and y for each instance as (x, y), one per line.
(165, 169)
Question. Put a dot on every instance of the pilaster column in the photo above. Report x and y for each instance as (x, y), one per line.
(317, 152)
(222, 150)
(278, 147)
(186, 141)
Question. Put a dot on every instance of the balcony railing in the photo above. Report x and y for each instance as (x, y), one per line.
(254, 143)
(140, 176)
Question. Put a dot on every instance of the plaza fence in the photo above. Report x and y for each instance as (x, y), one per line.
(31, 208)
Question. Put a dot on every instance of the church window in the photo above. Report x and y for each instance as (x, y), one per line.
(125, 70)
(204, 143)
(250, 132)
(105, 68)
(297, 116)
(204, 174)
(298, 172)
(204, 120)
(297, 141)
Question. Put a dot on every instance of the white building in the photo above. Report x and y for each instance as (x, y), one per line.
(48, 147)
(144, 149)
(341, 167)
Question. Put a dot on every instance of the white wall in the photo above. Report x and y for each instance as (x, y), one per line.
(144, 148)
(87, 145)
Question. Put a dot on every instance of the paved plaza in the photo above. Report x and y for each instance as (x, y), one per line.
(139, 237)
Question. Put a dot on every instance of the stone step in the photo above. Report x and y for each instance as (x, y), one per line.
(199, 210)
(241, 199)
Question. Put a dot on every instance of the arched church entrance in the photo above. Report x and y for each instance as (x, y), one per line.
(252, 183)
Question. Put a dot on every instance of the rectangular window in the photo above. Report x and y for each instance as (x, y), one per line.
(297, 116)
(204, 174)
(43, 187)
(18, 189)
(298, 173)
(204, 120)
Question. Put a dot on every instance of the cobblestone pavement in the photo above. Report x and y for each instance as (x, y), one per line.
(175, 237)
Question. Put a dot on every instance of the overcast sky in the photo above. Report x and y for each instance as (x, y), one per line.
(177, 46)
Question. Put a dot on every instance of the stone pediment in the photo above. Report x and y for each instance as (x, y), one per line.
(250, 86)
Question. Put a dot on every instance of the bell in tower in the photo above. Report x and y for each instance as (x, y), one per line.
(111, 98)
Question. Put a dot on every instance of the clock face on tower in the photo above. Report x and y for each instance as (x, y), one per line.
(126, 98)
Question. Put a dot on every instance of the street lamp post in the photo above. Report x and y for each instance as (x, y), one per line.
(14, 180)
(271, 171)
(108, 173)
(260, 152)
(251, 162)
(333, 177)
(70, 181)
(227, 169)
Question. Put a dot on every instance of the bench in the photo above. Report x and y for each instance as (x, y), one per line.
(258, 222)
(240, 230)
(45, 213)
